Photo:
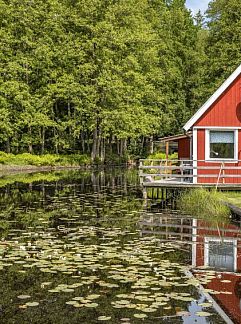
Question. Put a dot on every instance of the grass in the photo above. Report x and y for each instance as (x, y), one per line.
(205, 204)
(25, 159)
(233, 198)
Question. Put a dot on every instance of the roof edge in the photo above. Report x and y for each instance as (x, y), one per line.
(212, 99)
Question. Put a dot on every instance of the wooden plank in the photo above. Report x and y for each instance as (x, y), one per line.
(154, 224)
(232, 186)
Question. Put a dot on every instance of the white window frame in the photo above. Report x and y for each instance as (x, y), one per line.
(216, 239)
(207, 145)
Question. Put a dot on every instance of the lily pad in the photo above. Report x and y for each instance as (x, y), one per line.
(203, 314)
(140, 315)
(24, 296)
(32, 304)
(104, 318)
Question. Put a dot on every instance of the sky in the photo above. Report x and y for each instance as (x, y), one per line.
(195, 5)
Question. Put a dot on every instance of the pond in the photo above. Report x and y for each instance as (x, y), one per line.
(80, 247)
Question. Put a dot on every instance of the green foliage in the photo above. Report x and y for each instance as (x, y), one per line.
(224, 40)
(44, 160)
(97, 75)
(204, 204)
(103, 77)
(162, 156)
(114, 159)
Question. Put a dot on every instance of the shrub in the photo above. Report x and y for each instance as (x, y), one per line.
(44, 160)
(115, 159)
(162, 156)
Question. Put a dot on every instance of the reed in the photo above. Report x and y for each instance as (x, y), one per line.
(203, 203)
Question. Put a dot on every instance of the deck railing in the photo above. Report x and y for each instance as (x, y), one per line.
(185, 170)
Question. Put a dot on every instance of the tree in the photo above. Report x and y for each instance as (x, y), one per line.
(224, 40)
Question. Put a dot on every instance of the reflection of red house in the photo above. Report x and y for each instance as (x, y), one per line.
(231, 302)
(209, 239)
(220, 249)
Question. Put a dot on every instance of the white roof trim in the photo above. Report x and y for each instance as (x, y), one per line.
(212, 99)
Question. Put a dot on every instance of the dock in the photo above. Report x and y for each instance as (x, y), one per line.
(164, 179)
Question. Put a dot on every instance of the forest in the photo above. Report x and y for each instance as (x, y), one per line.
(103, 77)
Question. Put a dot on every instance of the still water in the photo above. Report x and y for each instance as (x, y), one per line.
(81, 247)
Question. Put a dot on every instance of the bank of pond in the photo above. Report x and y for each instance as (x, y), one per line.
(81, 247)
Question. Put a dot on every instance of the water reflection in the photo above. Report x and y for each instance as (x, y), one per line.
(213, 251)
(78, 247)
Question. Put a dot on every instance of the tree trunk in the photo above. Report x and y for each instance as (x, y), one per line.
(98, 143)
(151, 145)
(82, 135)
(55, 142)
(30, 145)
(94, 146)
(43, 140)
(118, 146)
(102, 150)
(123, 147)
(8, 148)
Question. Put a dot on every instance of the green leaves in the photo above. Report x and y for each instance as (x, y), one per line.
(77, 75)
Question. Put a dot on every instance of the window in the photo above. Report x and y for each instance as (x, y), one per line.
(221, 254)
(221, 145)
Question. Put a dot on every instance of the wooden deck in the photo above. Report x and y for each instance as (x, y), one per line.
(175, 174)
(175, 185)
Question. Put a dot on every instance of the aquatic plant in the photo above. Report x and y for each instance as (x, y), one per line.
(203, 203)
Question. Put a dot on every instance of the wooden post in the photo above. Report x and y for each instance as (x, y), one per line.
(141, 173)
(145, 197)
(167, 151)
(167, 154)
(182, 173)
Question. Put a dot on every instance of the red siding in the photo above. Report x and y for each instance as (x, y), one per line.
(226, 111)
(184, 148)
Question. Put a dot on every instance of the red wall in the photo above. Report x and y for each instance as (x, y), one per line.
(201, 156)
(184, 148)
(226, 111)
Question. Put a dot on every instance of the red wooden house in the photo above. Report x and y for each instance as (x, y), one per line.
(210, 148)
(212, 139)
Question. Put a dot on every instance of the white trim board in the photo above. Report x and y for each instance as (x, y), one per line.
(218, 127)
(212, 99)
